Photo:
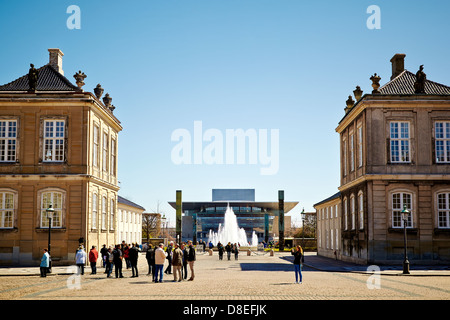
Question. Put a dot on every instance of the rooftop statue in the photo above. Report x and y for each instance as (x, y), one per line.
(421, 77)
(32, 77)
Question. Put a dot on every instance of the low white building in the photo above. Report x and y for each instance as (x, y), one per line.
(329, 243)
(129, 221)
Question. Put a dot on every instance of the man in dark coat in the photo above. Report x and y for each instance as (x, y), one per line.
(117, 260)
(150, 256)
(133, 256)
(169, 258)
(191, 259)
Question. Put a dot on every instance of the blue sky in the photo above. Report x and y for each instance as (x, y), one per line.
(251, 64)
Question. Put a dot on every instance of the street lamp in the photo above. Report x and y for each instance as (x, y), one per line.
(405, 217)
(50, 211)
(303, 214)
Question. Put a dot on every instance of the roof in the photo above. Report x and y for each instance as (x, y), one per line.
(48, 80)
(288, 205)
(129, 203)
(334, 196)
(404, 84)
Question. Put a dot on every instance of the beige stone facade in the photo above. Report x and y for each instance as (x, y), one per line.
(58, 145)
(395, 152)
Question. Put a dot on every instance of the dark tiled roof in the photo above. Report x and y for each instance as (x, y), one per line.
(129, 203)
(404, 84)
(334, 196)
(48, 80)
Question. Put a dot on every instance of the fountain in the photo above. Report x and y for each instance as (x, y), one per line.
(230, 232)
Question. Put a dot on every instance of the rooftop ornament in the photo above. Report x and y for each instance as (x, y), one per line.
(358, 93)
(375, 83)
(79, 78)
(32, 78)
(107, 100)
(421, 77)
(350, 103)
(98, 91)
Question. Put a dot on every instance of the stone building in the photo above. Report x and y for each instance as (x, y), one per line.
(129, 221)
(58, 146)
(329, 240)
(395, 152)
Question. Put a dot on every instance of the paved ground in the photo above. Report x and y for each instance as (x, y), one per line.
(259, 277)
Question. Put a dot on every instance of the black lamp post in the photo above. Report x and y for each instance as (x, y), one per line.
(303, 214)
(50, 212)
(405, 216)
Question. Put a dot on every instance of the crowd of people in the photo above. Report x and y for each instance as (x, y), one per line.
(178, 257)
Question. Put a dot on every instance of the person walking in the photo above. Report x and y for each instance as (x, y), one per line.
(191, 259)
(185, 263)
(298, 260)
(134, 255)
(236, 251)
(150, 256)
(45, 263)
(160, 257)
(220, 248)
(117, 260)
(177, 262)
(126, 255)
(80, 258)
(109, 262)
(169, 258)
(228, 248)
(93, 256)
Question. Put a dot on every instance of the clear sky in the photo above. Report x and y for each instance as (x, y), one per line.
(284, 65)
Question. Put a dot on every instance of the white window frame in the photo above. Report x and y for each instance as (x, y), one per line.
(7, 209)
(104, 212)
(443, 210)
(8, 140)
(344, 141)
(360, 147)
(113, 156)
(95, 147)
(345, 213)
(352, 151)
(442, 141)
(94, 210)
(54, 140)
(400, 141)
(361, 210)
(105, 149)
(112, 214)
(56, 199)
(397, 206)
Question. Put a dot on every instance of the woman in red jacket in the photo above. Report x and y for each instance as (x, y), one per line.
(93, 256)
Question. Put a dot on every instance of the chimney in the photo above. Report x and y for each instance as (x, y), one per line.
(55, 59)
(398, 64)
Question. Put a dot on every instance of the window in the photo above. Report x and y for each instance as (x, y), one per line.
(54, 140)
(442, 141)
(104, 212)
(105, 151)
(113, 157)
(360, 147)
(345, 157)
(444, 210)
(55, 199)
(352, 211)
(6, 209)
(352, 152)
(399, 200)
(8, 136)
(95, 147)
(94, 210)
(361, 210)
(112, 214)
(399, 135)
(345, 214)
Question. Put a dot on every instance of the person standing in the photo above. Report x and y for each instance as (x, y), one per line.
(185, 263)
(126, 255)
(298, 260)
(134, 255)
(228, 248)
(45, 263)
(150, 256)
(236, 251)
(221, 249)
(169, 258)
(80, 260)
(117, 260)
(191, 259)
(104, 254)
(109, 262)
(93, 256)
(160, 257)
(177, 262)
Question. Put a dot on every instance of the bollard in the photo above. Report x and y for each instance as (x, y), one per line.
(249, 253)
(210, 252)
